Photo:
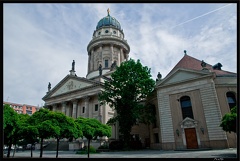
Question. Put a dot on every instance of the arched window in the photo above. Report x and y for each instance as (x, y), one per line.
(231, 99)
(186, 107)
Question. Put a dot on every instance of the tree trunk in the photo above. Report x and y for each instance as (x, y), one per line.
(57, 147)
(9, 149)
(31, 151)
(88, 147)
(41, 149)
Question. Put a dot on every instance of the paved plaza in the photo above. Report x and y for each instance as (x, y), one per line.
(224, 153)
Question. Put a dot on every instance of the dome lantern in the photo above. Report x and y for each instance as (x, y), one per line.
(108, 21)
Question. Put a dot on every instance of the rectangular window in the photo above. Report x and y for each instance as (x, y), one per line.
(83, 109)
(29, 112)
(106, 63)
(30, 108)
(96, 107)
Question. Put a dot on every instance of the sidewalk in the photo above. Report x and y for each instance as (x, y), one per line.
(224, 153)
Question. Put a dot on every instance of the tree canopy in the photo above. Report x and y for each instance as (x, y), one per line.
(92, 128)
(130, 84)
(68, 128)
(10, 126)
(229, 121)
(44, 124)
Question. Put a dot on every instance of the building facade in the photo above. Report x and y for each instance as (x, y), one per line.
(190, 101)
(23, 108)
(77, 96)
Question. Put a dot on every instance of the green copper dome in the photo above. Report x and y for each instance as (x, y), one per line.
(108, 21)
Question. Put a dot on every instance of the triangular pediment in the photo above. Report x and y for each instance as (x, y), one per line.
(70, 84)
(188, 123)
(181, 75)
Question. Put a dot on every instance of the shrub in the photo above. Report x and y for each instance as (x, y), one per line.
(85, 150)
(103, 147)
(116, 145)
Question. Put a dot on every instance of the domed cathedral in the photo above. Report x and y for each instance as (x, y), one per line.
(189, 102)
(77, 96)
(107, 48)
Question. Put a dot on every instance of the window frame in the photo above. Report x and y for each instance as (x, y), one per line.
(231, 95)
(186, 110)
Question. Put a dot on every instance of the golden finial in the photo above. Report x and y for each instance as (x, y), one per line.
(108, 10)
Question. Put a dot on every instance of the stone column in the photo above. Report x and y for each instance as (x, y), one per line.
(92, 60)
(119, 61)
(111, 54)
(121, 55)
(127, 56)
(89, 57)
(64, 107)
(74, 112)
(101, 57)
(86, 99)
(54, 107)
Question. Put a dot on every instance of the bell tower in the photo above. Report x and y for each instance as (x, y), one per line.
(107, 47)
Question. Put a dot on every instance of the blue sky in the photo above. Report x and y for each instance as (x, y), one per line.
(41, 40)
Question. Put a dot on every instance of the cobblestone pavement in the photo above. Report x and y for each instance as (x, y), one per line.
(221, 154)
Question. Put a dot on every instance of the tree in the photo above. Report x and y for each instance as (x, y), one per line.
(31, 133)
(68, 127)
(27, 132)
(92, 129)
(22, 122)
(44, 125)
(129, 84)
(10, 124)
(229, 121)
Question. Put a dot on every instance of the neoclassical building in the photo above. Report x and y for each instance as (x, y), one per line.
(77, 96)
(190, 101)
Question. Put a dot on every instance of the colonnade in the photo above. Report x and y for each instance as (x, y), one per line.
(79, 107)
(121, 56)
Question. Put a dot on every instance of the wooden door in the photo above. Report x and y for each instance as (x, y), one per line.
(191, 138)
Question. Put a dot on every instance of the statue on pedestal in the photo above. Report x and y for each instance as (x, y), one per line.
(73, 65)
(113, 66)
(49, 86)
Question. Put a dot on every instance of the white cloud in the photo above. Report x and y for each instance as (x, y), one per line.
(41, 40)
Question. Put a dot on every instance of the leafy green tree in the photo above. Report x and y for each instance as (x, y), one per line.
(18, 135)
(29, 134)
(229, 121)
(44, 125)
(10, 124)
(129, 84)
(92, 128)
(68, 127)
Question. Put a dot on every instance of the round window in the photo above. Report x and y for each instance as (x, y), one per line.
(106, 31)
(99, 33)
(114, 32)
